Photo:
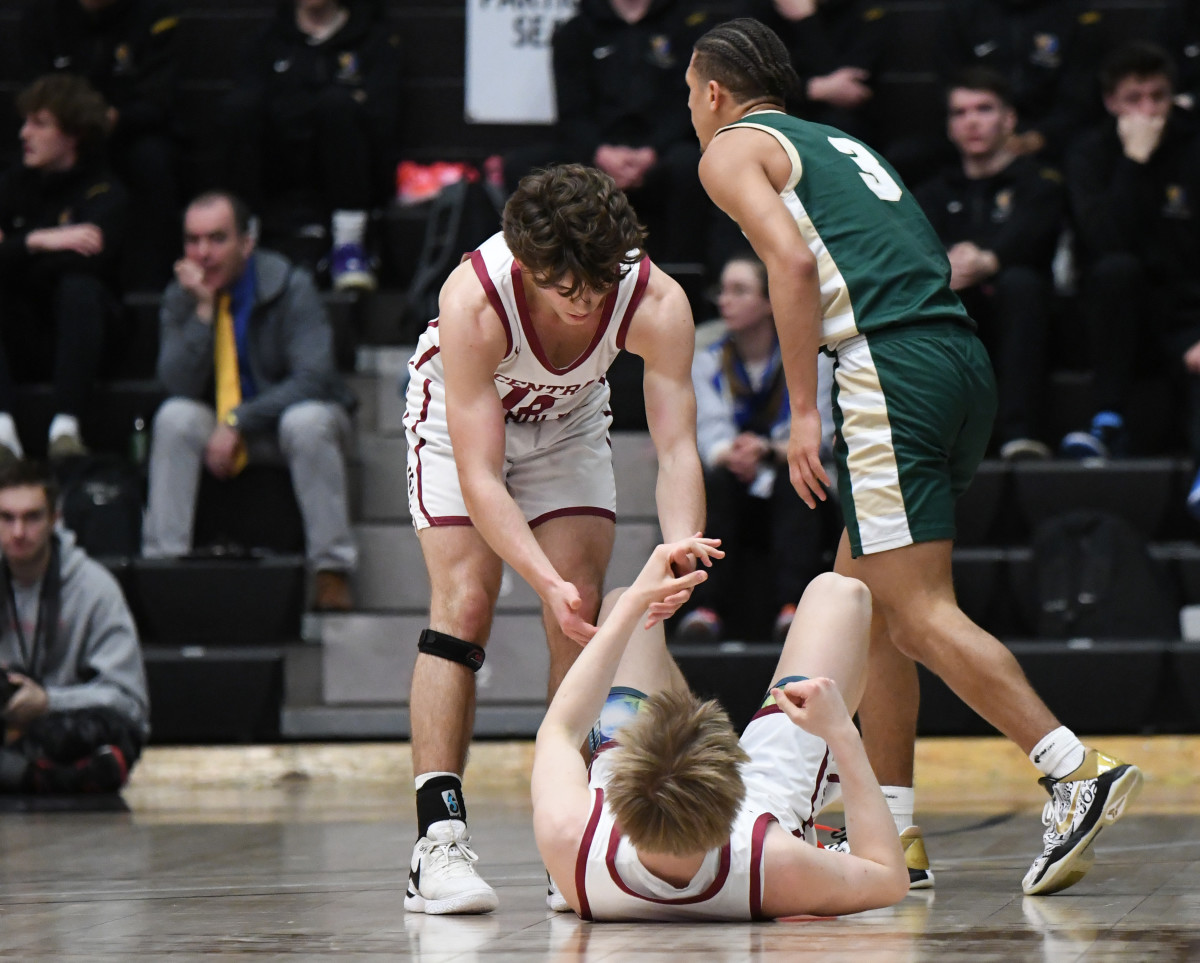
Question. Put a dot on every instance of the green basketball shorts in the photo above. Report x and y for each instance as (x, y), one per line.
(913, 406)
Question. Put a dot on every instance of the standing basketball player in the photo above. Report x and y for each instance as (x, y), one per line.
(674, 817)
(855, 268)
(509, 460)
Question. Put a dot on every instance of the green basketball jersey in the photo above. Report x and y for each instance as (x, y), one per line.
(881, 264)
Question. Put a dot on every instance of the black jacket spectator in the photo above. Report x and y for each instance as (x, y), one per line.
(128, 51)
(1047, 50)
(1145, 210)
(31, 199)
(622, 83)
(309, 136)
(1016, 214)
(839, 34)
(285, 76)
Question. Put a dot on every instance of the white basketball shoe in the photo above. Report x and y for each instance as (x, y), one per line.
(442, 877)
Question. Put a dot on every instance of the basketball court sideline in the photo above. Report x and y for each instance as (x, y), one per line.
(300, 852)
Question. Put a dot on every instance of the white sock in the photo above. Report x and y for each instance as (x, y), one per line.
(426, 776)
(8, 434)
(900, 803)
(1058, 754)
(349, 227)
(64, 425)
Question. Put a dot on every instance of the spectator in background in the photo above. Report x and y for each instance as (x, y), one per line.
(1047, 51)
(246, 354)
(837, 48)
(311, 127)
(742, 425)
(1000, 216)
(76, 708)
(618, 76)
(127, 50)
(62, 220)
(1177, 30)
(1133, 184)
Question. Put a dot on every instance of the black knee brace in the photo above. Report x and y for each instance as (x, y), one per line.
(448, 647)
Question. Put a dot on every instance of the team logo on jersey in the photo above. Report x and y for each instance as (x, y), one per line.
(1047, 51)
(1176, 206)
(1192, 50)
(604, 52)
(981, 50)
(1002, 205)
(450, 798)
(955, 207)
(348, 72)
(282, 65)
(660, 51)
(62, 63)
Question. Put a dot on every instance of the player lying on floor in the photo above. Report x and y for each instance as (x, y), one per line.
(676, 818)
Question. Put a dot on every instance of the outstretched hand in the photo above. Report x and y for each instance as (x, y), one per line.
(660, 587)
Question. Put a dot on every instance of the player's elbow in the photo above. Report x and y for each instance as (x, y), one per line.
(792, 261)
(896, 887)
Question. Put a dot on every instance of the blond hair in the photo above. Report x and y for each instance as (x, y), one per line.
(676, 787)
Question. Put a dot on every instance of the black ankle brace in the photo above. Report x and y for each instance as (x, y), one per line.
(440, 798)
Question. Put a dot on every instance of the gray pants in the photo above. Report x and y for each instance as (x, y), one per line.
(313, 438)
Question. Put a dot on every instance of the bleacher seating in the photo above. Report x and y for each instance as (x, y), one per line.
(212, 684)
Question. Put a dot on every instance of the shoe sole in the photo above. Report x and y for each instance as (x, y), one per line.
(1074, 865)
(354, 281)
(464, 904)
(1082, 444)
(920, 879)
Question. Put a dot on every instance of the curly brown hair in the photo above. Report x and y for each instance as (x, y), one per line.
(676, 786)
(79, 109)
(572, 221)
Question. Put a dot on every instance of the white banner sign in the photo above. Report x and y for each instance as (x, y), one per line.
(509, 75)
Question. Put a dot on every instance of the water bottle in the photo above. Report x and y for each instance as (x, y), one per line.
(139, 442)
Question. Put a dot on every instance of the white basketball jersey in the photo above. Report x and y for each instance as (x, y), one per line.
(613, 884)
(530, 387)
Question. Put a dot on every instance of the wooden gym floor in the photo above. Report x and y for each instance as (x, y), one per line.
(300, 852)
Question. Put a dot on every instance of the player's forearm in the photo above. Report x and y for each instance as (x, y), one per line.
(581, 694)
(498, 518)
(679, 493)
(796, 303)
(869, 824)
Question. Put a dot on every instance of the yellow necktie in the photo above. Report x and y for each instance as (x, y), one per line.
(225, 360)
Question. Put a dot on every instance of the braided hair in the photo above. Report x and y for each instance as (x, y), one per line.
(749, 60)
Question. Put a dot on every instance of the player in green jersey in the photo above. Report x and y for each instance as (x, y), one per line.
(854, 267)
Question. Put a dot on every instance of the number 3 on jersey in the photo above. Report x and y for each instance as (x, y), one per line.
(874, 176)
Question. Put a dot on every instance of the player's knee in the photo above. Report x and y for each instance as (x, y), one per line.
(610, 599)
(589, 596)
(451, 648)
(912, 633)
(843, 589)
(464, 609)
